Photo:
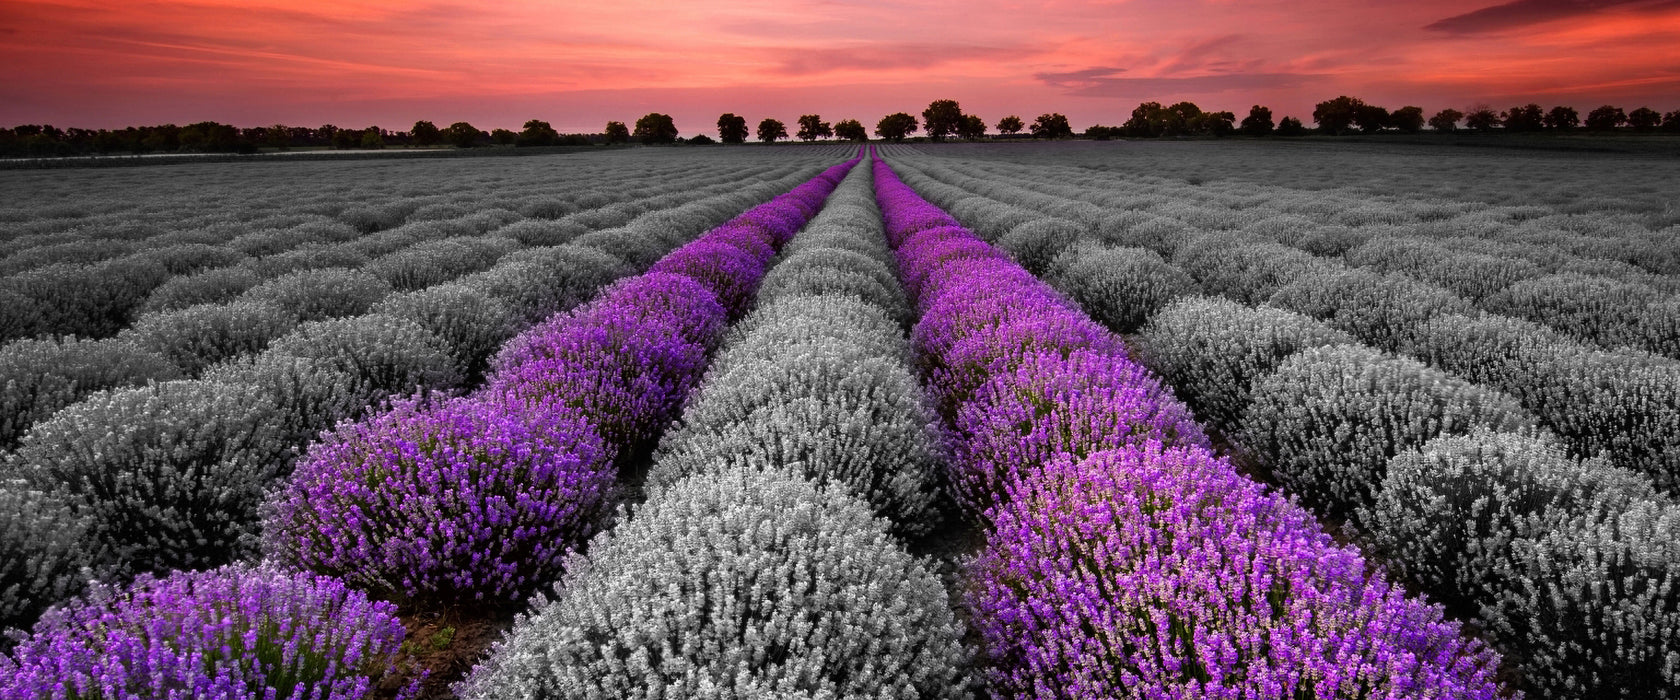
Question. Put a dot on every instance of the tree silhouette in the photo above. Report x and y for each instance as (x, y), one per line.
(1644, 119)
(1408, 119)
(1258, 122)
(812, 127)
(732, 128)
(770, 129)
(973, 127)
(851, 130)
(1526, 118)
(1481, 119)
(1051, 126)
(617, 132)
(942, 118)
(1335, 116)
(1290, 126)
(425, 133)
(537, 133)
(1563, 118)
(1605, 118)
(1010, 125)
(1446, 120)
(462, 135)
(655, 127)
(895, 126)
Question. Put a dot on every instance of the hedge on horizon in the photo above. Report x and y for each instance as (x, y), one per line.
(1328, 420)
(806, 595)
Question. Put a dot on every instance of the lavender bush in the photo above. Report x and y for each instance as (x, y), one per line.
(233, 632)
(205, 287)
(1119, 287)
(474, 500)
(45, 554)
(43, 376)
(736, 583)
(314, 295)
(1161, 572)
(196, 337)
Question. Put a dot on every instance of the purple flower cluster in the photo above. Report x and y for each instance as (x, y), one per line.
(1125, 560)
(224, 634)
(472, 500)
(1160, 572)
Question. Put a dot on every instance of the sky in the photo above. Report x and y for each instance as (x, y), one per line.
(352, 63)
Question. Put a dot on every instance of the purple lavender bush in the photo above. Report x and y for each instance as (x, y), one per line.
(1151, 571)
(1052, 406)
(728, 271)
(469, 500)
(233, 632)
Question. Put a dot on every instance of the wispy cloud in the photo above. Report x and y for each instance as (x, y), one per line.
(1522, 13)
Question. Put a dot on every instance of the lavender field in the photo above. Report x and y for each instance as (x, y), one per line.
(1008, 420)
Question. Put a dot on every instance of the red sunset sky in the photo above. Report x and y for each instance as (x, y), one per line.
(355, 63)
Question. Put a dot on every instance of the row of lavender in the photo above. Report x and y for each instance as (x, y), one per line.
(464, 278)
(438, 499)
(757, 568)
(1622, 403)
(1124, 558)
(1564, 558)
(1606, 277)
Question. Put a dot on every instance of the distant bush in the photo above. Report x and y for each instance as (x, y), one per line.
(1162, 572)
(835, 271)
(205, 453)
(624, 244)
(310, 395)
(1213, 351)
(435, 262)
(187, 258)
(1247, 270)
(729, 272)
(83, 251)
(1625, 405)
(315, 295)
(313, 256)
(544, 231)
(1472, 275)
(518, 488)
(43, 376)
(1332, 241)
(1119, 287)
(1139, 230)
(207, 287)
(792, 322)
(45, 556)
(386, 354)
(1329, 419)
(1383, 310)
(538, 283)
(990, 219)
(472, 323)
(92, 301)
(808, 596)
(378, 217)
(1035, 243)
(229, 632)
(197, 337)
(1593, 309)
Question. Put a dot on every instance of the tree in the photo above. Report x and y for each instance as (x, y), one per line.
(425, 133)
(1183, 118)
(1481, 119)
(1148, 120)
(1644, 119)
(1335, 116)
(895, 126)
(342, 139)
(1217, 123)
(1671, 121)
(701, 140)
(851, 130)
(461, 135)
(732, 128)
(537, 133)
(1525, 118)
(973, 127)
(770, 129)
(1290, 126)
(617, 132)
(1258, 122)
(503, 137)
(1408, 119)
(1446, 120)
(1562, 118)
(1098, 132)
(1370, 118)
(1051, 126)
(373, 138)
(812, 127)
(654, 127)
(942, 118)
(1010, 125)
(1605, 118)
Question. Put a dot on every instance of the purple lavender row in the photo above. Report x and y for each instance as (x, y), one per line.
(1124, 558)
(434, 501)
(479, 498)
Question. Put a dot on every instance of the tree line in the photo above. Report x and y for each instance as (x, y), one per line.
(941, 120)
